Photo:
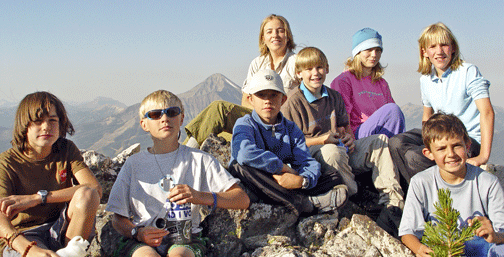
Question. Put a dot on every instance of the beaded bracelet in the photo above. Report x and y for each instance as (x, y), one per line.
(28, 248)
(12, 238)
(214, 202)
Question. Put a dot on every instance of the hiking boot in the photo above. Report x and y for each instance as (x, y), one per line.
(333, 200)
(389, 219)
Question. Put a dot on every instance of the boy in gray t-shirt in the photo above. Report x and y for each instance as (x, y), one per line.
(476, 194)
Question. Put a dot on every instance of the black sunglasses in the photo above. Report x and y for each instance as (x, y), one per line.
(158, 113)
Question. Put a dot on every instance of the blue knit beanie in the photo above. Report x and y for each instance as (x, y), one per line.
(364, 39)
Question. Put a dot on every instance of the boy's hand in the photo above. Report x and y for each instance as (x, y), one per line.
(287, 169)
(288, 180)
(348, 140)
(486, 230)
(151, 236)
(423, 251)
(330, 138)
(181, 194)
(14, 204)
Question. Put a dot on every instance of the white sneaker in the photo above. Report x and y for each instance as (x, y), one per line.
(76, 248)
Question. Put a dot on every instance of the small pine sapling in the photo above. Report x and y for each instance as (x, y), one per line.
(443, 236)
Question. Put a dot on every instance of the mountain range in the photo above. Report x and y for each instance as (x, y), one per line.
(109, 126)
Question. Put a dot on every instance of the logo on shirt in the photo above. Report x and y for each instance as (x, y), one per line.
(63, 175)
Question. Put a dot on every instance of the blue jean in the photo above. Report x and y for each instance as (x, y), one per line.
(388, 120)
(478, 247)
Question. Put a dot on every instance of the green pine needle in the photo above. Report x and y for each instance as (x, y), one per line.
(444, 237)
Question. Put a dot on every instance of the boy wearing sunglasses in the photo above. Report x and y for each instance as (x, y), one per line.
(167, 173)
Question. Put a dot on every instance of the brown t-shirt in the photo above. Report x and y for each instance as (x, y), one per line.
(319, 117)
(20, 175)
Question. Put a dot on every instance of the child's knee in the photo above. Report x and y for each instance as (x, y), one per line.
(85, 197)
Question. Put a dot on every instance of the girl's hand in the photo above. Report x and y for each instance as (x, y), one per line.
(151, 236)
(423, 251)
(181, 194)
(36, 251)
(14, 204)
(477, 161)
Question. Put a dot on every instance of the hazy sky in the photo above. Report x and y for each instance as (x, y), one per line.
(80, 50)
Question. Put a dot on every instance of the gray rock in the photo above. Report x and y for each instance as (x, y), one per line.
(121, 158)
(219, 148)
(346, 243)
(96, 161)
(315, 230)
(383, 241)
(262, 230)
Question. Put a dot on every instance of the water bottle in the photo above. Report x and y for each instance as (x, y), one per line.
(178, 222)
(75, 248)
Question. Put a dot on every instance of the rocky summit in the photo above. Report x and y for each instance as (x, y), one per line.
(266, 230)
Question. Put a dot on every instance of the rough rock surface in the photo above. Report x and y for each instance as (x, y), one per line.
(219, 148)
(266, 230)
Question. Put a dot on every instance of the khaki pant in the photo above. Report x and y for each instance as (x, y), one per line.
(219, 116)
(370, 154)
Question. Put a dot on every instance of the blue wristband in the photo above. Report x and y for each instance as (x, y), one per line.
(214, 202)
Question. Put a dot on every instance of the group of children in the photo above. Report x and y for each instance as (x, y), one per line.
(301, 149)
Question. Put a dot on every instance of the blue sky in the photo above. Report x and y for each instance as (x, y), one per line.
(80, 50)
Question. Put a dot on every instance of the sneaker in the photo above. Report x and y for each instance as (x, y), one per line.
(334, 199)
(389, 219)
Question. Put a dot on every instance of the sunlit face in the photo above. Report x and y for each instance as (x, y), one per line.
(275, 36)
(440, 55)
(313, 78)
(267, 104)
(370, 57)
(44, 132)
(164, 127)
(450, 154)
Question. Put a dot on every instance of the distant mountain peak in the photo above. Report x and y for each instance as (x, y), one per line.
(214, 83)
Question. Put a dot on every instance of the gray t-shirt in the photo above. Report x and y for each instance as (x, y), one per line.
(137, 191)
(480, 194)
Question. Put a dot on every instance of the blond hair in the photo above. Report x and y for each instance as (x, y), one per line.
(437, 33)
(33, 107)
(354, 66)
(310, 57)
(263, 49)
(157, 98)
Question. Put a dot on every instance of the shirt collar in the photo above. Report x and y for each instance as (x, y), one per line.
(277, 126)
(309, 96)
(434, 76)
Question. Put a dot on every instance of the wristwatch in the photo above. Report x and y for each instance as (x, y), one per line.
(306, 183)
(43, 194)
(134, 231)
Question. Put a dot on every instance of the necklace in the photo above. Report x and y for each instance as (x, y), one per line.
(167, 179)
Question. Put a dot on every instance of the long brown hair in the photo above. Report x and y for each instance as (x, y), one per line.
(33, 107)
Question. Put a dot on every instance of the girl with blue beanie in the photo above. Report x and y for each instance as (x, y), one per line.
(368, 101)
